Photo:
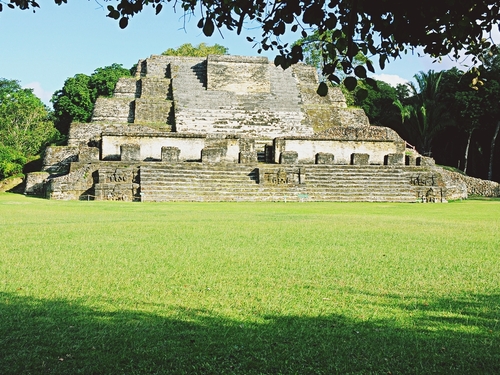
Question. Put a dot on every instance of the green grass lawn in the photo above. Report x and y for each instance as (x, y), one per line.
(249, 288)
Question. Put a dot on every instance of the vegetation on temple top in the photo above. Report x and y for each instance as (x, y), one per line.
(75, 101)
(201, 50)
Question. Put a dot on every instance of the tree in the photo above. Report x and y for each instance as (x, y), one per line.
(424, 114)
(25, 126)
(386, 28)
(201, 50)
(11, 161)
(379, 105)
(103, 80)
(75, 101)
(475, 111)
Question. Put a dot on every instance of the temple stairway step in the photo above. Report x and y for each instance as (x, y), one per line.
(239, 182)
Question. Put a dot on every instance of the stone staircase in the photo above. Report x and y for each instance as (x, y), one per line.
(200, 110)
(240, 182)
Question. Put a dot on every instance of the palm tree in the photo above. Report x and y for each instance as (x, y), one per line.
(424, 115)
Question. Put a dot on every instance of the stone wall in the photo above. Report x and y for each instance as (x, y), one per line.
(127, 88)
(57, 159)
(238, 74)
(190, 145)
(342, 150)
(342, 142)
(84, 134)
(76, 185)
(114, 110)
(476, 186)
(35, 183)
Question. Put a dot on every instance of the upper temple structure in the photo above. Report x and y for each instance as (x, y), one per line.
(232, 128)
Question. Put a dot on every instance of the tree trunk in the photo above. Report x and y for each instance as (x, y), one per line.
(466, 157)
(492, 152)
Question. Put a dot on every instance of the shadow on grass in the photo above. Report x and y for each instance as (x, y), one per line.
(62, 337)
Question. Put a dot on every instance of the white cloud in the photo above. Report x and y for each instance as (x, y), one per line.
(38, 90)
(391, 79)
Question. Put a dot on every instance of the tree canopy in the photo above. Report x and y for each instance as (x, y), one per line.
(383, 29)
(75, 101)
(25, 126)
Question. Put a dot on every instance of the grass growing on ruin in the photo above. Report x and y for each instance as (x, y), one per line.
(249, 288)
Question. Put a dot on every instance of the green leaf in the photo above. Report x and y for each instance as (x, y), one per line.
(322, 89)
(350, 83)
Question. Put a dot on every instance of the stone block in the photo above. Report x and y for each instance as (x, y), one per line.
(324, 158)
(212, 154)
(88, 154)
(34, 184)
(130, 152)
(247, 144)
(427, 161)
(394, 159)
(289, 157)
(248, 157)
(57, 159)
(170, 154)
(359, 159)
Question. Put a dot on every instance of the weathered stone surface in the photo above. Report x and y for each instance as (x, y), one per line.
(472, 185)
(127, 88)
(130, 152)
(114, 110)
(118, 183)
(156, 87)
(75, 185)
(34, 183)
(427, 161)
(57, 159)
(282, 177)
(342, 147)
(212, 154)
(394, 159)
(170, 154)
(153, 110)
(88, 154)
(288, 157)
(360, 159)
(324, 158)
(248, 157)
(238, 74)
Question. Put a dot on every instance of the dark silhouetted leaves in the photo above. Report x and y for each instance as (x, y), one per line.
(360, 71)
(208, 27)
(361, 94)
(350, 83)
(123, 22)
(322, 89)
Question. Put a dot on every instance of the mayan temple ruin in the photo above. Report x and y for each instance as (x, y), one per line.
(232, 128)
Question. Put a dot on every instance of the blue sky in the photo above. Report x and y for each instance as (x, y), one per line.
(43, 49)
